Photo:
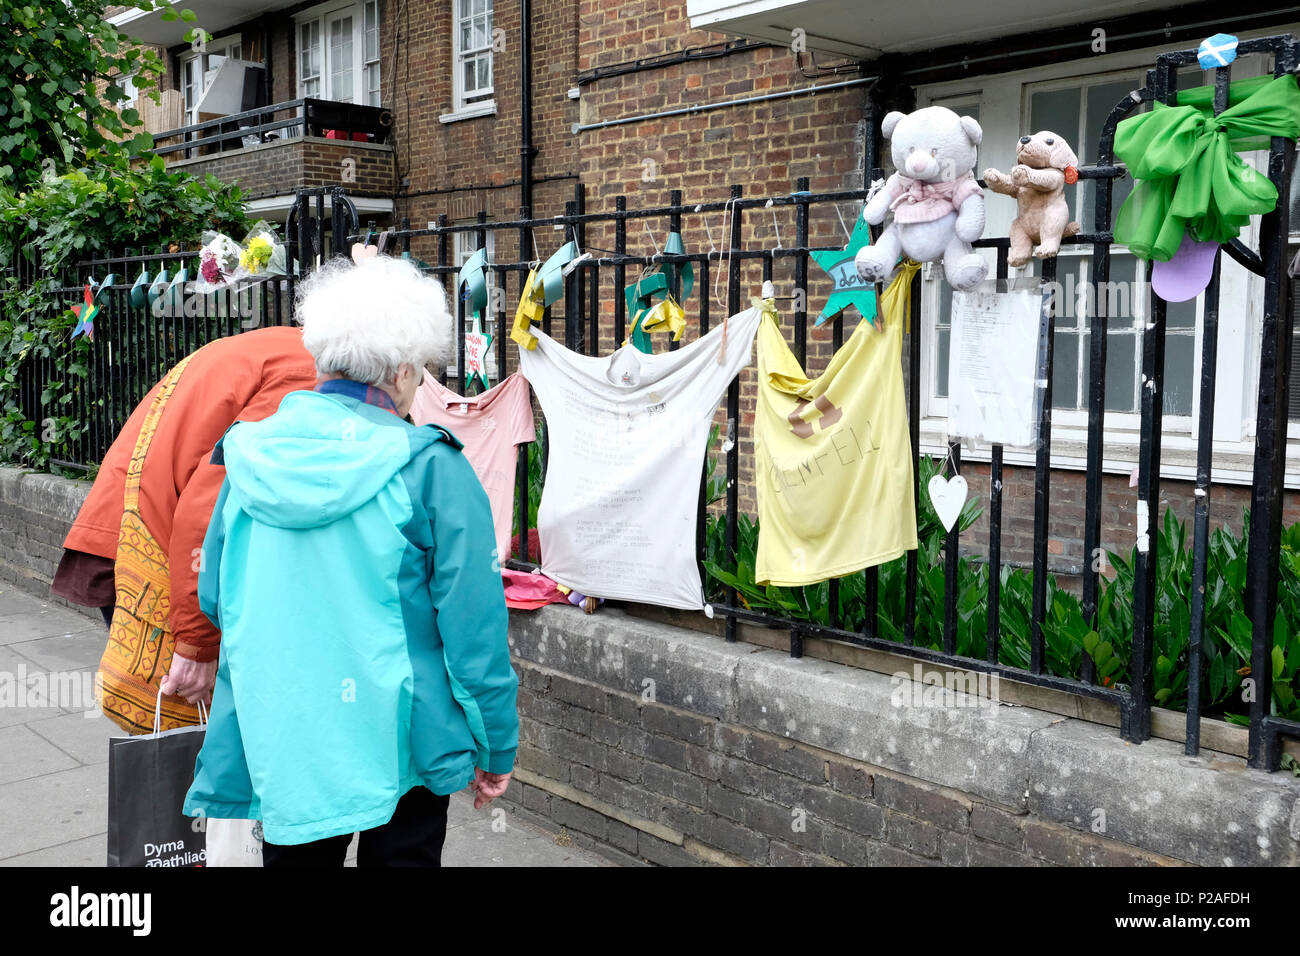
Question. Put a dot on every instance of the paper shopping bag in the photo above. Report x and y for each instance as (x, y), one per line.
(234, 842)
(148, 777)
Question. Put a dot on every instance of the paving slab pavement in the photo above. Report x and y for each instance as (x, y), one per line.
(54, 757)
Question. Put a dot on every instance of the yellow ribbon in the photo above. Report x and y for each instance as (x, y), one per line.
(766, 306)
(896, 302)
(665, 315)
(530, 310)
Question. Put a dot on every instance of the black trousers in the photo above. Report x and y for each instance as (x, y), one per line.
(413, 837)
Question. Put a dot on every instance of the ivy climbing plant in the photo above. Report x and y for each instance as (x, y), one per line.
(59, 106)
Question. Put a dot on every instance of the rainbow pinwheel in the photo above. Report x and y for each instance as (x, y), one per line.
(85, 314)
(89, 308)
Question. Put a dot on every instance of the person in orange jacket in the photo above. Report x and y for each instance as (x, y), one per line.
(240, 378)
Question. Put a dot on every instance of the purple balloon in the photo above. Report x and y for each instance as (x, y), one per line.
(1186, 275)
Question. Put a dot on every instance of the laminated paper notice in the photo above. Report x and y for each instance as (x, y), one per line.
(992, 363)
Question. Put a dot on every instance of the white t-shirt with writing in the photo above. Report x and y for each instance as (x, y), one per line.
(628, 434)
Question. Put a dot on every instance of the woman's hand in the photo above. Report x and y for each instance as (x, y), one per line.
(486, 787)
(190, 679)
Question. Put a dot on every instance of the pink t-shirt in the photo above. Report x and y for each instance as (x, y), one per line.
(490, 425)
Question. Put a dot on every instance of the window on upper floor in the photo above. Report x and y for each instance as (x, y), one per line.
(338, 53)
(472, 56)
(127, 85)
(198, 67)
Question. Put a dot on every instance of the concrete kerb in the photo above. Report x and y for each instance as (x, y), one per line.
(978, 750)
(59, 497)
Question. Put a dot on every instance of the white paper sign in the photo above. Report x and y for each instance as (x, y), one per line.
(992, 366)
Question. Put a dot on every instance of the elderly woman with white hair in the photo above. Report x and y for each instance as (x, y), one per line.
(364, 673)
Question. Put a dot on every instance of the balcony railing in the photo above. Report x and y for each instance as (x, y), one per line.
(288, 120)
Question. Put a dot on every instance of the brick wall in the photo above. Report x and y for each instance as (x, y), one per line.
(673, 788)
(274, 169)
(683, 750)
(36, 511)
(482, 152)
(1118, 513)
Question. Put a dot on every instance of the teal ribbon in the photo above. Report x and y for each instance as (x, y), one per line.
(674, 247)
(473, 283)
(641, 294)
(551, 274)
(159, 286)
(639, 297)
(140, 290)
(176, 290)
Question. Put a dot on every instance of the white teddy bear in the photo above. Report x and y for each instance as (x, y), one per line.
(937, 203)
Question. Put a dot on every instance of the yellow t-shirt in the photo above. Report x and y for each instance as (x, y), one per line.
(834, 460)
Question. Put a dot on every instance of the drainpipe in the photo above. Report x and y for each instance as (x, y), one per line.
(871, 139)
(526, 150)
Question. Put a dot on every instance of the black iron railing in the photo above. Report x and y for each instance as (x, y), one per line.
(279, 121)
(602, 278)
(100, 385)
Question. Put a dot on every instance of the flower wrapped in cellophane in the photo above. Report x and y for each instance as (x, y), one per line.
(262, 253)
(218, 262)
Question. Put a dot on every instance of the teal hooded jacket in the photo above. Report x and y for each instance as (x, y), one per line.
(350, 564)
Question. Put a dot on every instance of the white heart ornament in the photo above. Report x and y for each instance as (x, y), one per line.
(948, 498)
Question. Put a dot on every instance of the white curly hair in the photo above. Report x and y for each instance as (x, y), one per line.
(363, 321)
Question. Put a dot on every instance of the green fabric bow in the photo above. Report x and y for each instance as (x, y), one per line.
(1189, 176)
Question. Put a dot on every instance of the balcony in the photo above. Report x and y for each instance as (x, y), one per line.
(865, 31)
(272, 151)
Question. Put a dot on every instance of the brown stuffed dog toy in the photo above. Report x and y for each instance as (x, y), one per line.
(1046, 164)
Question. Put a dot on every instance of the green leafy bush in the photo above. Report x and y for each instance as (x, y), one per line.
(96, 212)
(103, 210)
(54, 56)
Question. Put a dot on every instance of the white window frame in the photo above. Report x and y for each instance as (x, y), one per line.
(229, 47)
(126, 83)
(467, 104)
(1239, 329)
(322, 16)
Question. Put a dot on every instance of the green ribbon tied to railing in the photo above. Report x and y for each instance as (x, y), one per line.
(667, 315)
(1190, 178)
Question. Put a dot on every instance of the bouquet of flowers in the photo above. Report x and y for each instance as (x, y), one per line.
(218, 262)
(262, 253)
